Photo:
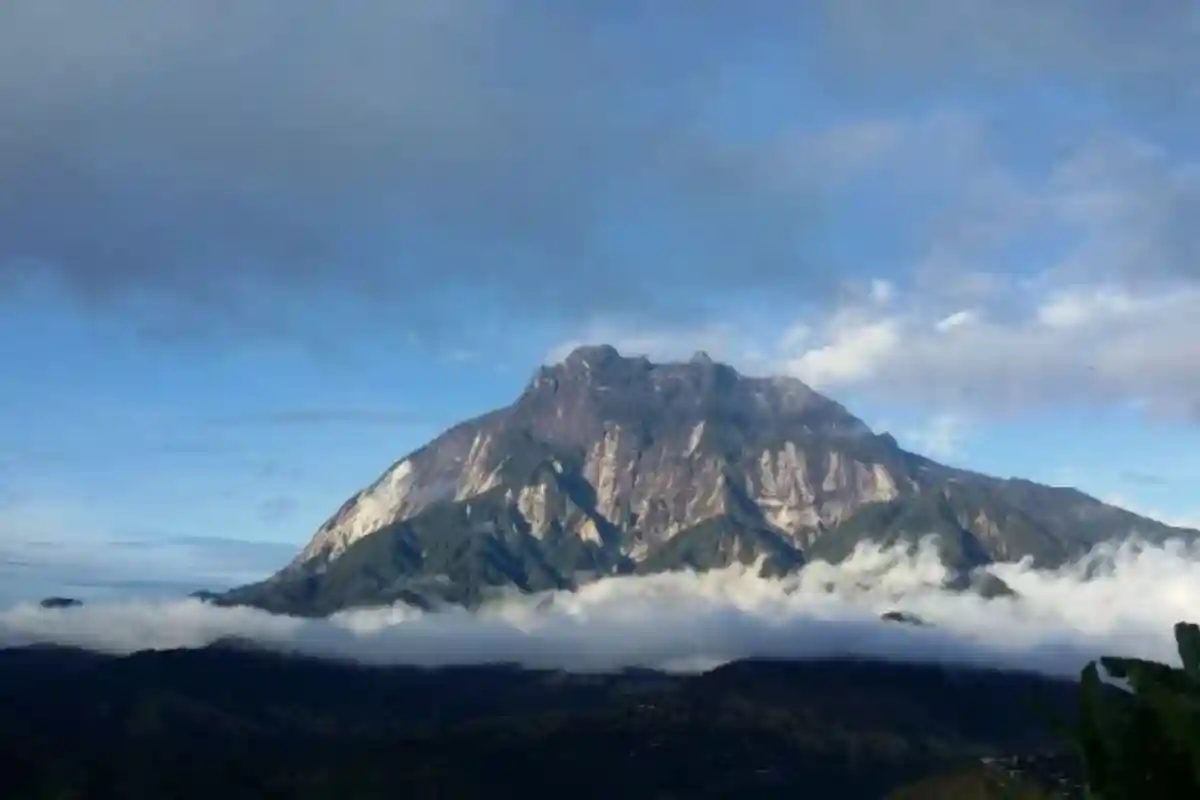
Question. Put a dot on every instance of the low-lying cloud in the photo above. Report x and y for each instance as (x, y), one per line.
(1119, 600)
(135, 565)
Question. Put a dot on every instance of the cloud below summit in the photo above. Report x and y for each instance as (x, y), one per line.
(686, 621)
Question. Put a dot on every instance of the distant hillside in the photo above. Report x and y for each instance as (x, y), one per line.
(235, 722)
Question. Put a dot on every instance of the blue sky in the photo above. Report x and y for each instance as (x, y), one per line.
(249, 258)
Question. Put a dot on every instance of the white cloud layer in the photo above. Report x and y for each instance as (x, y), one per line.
(1084, 345)
(1118, 601)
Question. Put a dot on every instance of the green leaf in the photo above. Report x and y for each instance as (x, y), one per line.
(1091, 727)
(1187, 638)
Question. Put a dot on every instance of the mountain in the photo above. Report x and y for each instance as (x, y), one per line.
(607, 465)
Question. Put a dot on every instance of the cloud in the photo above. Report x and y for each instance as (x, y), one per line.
(423, 163)
(1109, 207)
(207, 167)
(1132, 204)
(1027, 347)
(1075, 284)
(685, 620)
(955, 320)
(941, 436)
(91, 566)
(1140, 54)
(197, 168)
(1080, 346)
(1070, 280)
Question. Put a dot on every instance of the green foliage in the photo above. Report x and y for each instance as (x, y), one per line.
(978, 782)
(235, 722)
(1143, 741)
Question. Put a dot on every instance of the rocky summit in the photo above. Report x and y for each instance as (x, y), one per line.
(607, 465)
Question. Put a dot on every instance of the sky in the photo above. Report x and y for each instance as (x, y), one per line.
(253, 253)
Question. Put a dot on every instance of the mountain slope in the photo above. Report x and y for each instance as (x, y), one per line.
(609, 465)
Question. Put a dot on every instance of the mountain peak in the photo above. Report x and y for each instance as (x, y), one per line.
(591, 356)
(597, 357)
(613, 465)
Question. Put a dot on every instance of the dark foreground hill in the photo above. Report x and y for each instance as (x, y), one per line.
(232, 722)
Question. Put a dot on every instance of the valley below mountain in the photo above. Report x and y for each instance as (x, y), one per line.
(235, 721)
(607, 465)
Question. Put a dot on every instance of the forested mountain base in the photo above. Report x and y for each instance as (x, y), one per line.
(233, 723)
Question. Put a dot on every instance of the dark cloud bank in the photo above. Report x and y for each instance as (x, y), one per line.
(203, 156)
(212, 165)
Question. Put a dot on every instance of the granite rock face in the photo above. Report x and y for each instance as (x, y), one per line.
(611, 465)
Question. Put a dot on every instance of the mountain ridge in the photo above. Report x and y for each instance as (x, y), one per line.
(608, 465)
